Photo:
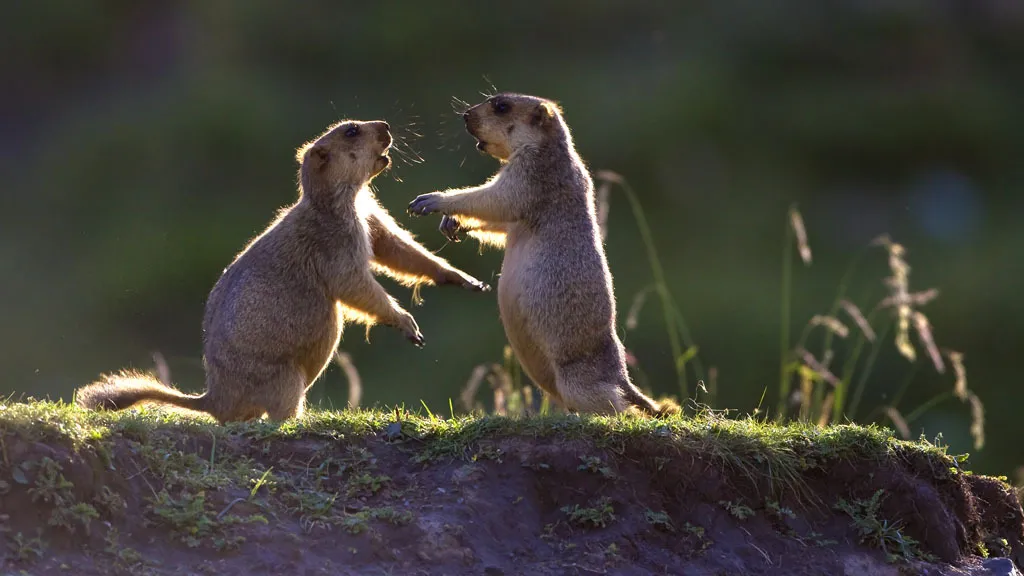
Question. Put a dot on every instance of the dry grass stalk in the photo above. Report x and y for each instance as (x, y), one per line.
(501, 384)
(833, 324)
(826, 409)
(901, 298)
(633, 316)
(500, 380)
(500, 406)
(912, 298)
(960, 386)
(713, 385)
(355, 383)
(468, 394)
(527, 393)
(609, 176)
(977, 420)
(898, 421)
(603, 207)
(924, 332)
(854, 312)
(806, 388)
(801, 235)
(903, 340)
(820, 369)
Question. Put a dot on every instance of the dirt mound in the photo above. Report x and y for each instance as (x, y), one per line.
(366, 493)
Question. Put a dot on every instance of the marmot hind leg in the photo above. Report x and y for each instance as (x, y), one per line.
(283, 396)
(584, 388)
(637, 398)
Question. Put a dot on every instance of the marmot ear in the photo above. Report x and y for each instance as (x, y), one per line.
(543, 114)
(318, 156)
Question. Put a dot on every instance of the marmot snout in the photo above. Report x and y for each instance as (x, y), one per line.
(351, 152)
(509, 121)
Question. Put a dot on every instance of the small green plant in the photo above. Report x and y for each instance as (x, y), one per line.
(366, 483)
(778, 511)
(659, 520)
(265, 480)
(26, 549)
(189, 518)
(488, 452)
(50, 485)
(596, 465)
(882, 534)
(315, 507)
(599, 515)
(391, 516)
(359, 522)
(53, 488)
(818, 539)
(231, 542)
(736, 509)
(78, 514)
(124, 554)
(186, 515)
(109, 502)
(698, 534)
(354, 523)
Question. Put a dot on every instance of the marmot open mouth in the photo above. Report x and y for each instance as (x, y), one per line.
(480, 144)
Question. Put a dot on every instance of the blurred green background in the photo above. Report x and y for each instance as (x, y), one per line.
(145, 142)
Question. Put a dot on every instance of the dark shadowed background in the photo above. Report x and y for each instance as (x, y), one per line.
(144, 143)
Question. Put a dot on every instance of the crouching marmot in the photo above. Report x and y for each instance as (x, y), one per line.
(274, 318)
(555, 290)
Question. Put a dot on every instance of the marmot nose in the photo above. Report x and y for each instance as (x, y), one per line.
(465, 116)
(386, 126)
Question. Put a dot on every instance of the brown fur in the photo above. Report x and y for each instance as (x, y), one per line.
(555, 293)
(275, 316)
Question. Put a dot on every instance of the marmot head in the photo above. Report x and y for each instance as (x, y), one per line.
(505, 122)
(349, 152)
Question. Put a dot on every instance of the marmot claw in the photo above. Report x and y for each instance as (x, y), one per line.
(416, 339)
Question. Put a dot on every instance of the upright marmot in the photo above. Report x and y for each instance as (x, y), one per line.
(555, 292)
(275, 317)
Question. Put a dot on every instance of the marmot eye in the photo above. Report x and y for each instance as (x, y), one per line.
(352, 131)
(500, 106)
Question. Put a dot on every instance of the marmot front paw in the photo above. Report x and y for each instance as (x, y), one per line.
(411, 330)
(454, 277)
(426, 204)
(450, 228)
(416, 339)
(475, 285)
